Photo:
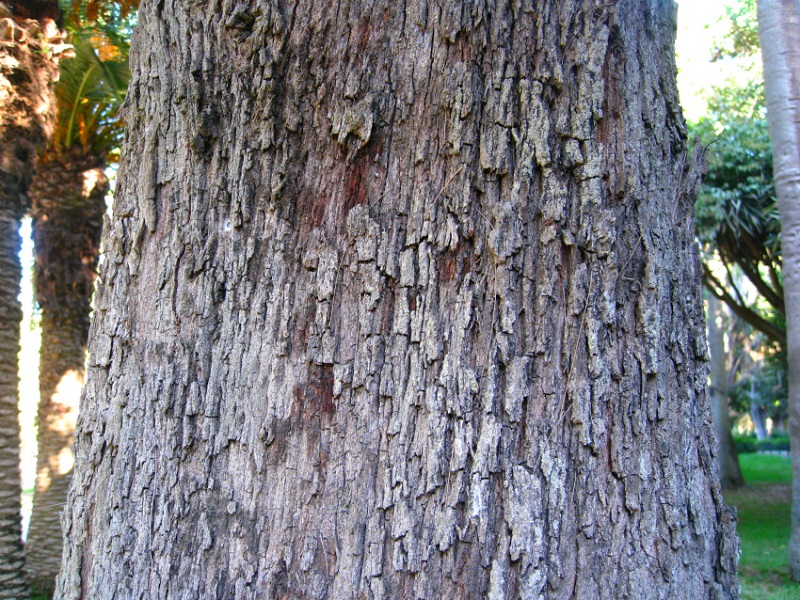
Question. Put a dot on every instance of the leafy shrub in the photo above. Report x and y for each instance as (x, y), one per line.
(747, 444)
(773, 444)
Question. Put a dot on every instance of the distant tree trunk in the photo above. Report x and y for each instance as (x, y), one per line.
(730, 473)
(779, 34)
(757, 414)
(68, 197)
(400, 300)
(27, 70)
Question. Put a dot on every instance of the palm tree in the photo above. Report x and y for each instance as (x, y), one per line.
(68, 203)
(779, 33)
(29, 45)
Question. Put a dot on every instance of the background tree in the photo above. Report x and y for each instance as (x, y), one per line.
(68, 203)
(730, 471)
(737, 218)
(779, 33)
(739, 230)
(737, 222)
(400, 301)
(30, 43)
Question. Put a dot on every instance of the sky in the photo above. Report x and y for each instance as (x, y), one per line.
(700, 22)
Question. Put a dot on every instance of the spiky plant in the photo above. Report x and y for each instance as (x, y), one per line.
(737, 222)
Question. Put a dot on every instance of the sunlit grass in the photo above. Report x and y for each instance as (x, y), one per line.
(764, 518)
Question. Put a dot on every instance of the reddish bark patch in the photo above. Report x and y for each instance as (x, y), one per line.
(355, 192)
(387, 311)
(363, 34)
(311, 212)
(454, 264)
(447, 268)
(320, 389)
(612, 94)
(612, 101)
(299, 399)
(316, 396)
(610, 129)
(464, 48)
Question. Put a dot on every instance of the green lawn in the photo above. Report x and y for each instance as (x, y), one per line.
(763, 508)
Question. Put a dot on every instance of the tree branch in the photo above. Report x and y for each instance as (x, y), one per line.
(747, 314)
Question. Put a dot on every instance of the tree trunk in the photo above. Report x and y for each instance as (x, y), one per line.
(730, 473)
(27, 70)
(400, 301)
(779, 34)
(757, 414)
(13, 583)
(68, 196)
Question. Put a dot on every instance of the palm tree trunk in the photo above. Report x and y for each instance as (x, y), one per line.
(12, 581)
(68, 196)
(779, 34)
(26, 74)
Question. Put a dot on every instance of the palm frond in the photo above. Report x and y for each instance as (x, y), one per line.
(80, 13)
(90, 91)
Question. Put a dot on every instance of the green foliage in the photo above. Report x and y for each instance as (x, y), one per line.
(737, 223)
(764, 523)
(767, 385)
(109, 13)
(742, 36)
(89, 92)
(737, 204)
(737, 212)
(746, 444)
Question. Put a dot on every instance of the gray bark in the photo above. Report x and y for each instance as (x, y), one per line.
(730, 473)
(779, 34)
(757, 414)
(400, 301)
(27, 70)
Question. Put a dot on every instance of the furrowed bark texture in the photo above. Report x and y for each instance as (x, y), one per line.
(730, 473)
(27, 70)
(779, 35)
(400, 301)
(68, 197)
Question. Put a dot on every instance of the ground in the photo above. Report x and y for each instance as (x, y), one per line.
(763, 508)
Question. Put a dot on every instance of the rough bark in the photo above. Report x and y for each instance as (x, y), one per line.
(400, 300)
(730, 473)
(68, 197)
(27, 70)
(13, 583)
(779, 34)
